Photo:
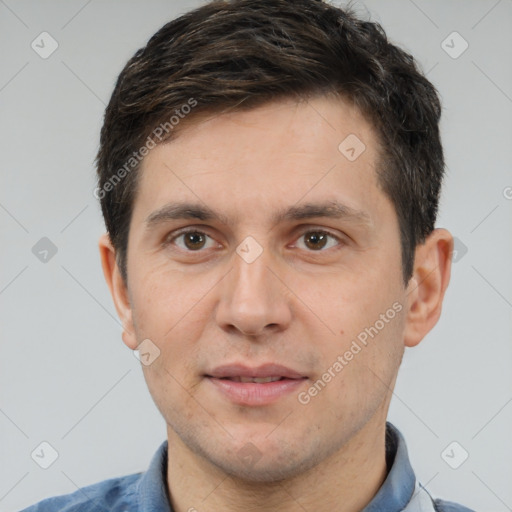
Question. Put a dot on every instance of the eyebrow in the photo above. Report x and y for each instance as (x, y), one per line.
(329, 209)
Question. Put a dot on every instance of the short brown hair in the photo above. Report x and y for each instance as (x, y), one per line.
(240, 54)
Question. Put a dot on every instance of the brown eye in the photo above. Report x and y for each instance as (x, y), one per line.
(192, 240)
(315, 240)
(318, 240)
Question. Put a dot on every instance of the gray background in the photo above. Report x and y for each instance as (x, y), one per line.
(65, 375)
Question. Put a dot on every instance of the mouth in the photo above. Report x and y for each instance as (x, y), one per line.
(267, 372)
(257, 380)
(255, 386)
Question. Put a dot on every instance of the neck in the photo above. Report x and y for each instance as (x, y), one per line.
(346, 481)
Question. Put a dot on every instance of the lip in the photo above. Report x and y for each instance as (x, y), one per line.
(252, 393)
(264, 370)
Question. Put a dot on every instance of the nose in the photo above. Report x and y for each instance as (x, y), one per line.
(254, 301)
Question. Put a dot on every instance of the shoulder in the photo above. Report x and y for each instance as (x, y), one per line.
(115, 494)
(448, 506)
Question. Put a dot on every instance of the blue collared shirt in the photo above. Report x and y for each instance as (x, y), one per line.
(147, 492)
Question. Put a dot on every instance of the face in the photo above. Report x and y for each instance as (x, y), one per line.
(260, 247)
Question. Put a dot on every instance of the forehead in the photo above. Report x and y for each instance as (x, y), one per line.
(265, 159)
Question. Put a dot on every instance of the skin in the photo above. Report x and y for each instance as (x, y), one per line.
(300, 304)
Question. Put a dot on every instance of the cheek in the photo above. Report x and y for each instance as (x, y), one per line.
(172, 393)
(169, 315)
(347, 301)
(364, 314)
(364, 373)
(165, 301)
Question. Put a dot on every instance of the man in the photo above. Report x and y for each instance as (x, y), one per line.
(269, 174)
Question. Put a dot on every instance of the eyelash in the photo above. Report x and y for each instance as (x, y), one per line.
(185, 231)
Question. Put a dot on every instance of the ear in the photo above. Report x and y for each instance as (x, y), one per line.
(118, 289)
(425, 291)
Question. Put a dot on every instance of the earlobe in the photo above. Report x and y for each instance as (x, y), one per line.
(118, 289)
(426, 289)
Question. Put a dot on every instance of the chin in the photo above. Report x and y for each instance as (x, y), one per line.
(262, 461)
(263, 471)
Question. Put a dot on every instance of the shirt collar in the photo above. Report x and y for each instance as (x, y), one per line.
(397, 489)
(152, 493)
(394, 495)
